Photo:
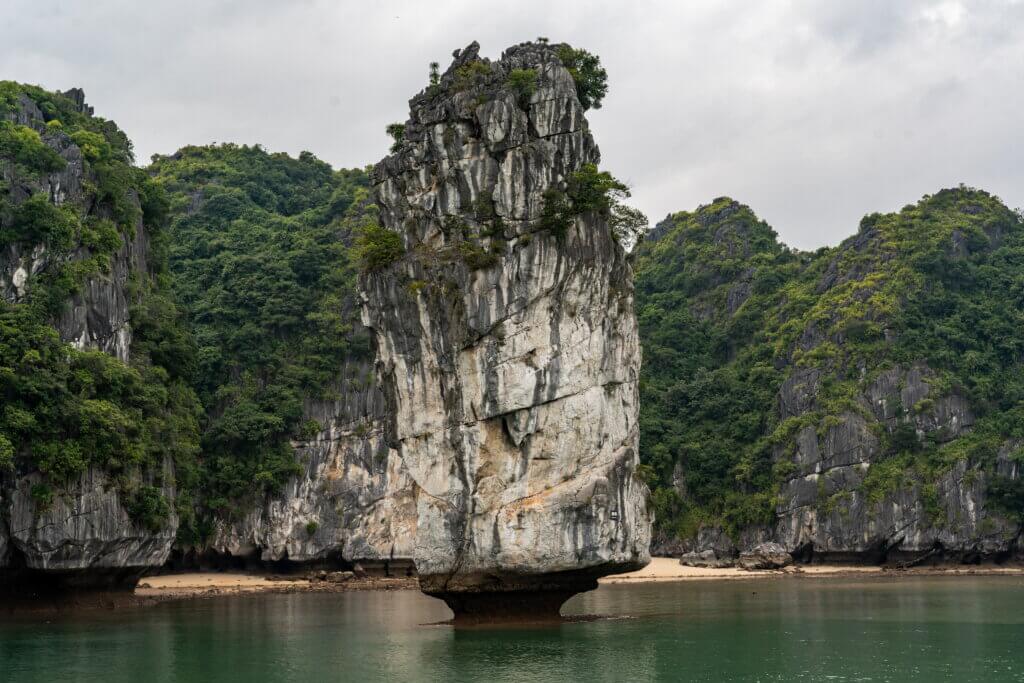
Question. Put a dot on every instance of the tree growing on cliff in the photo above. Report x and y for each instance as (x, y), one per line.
(396, 131)
(377, 247)
(587, 190)
(591, 78)
(523, 82)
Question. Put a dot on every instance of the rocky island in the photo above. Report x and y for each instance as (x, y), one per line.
(506, 343)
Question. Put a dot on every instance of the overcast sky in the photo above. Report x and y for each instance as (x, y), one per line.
(813, 113)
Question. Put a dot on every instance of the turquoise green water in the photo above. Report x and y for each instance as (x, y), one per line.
(910, 629)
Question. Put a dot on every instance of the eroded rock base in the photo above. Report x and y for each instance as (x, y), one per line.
(493, 598)
(509, 606)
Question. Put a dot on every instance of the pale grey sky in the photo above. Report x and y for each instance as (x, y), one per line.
(813, 113)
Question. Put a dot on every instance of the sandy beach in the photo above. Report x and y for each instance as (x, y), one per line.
(202, 584)
(669, 569)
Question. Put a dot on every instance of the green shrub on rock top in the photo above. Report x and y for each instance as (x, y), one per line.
(397, 132)
(471, 74)
(590, 190)
(148, 507)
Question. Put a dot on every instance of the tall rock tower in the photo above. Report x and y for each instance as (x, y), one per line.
(506, 342)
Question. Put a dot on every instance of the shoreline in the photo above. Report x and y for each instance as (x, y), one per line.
(663, 569)
(158, 589)
(161, 588)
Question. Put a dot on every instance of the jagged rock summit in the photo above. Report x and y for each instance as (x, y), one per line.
(507, 347)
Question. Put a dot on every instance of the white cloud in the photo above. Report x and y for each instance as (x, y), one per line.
(814, 113)
(948, 13)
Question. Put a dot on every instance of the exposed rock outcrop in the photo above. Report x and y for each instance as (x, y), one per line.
(97, 316)
(508, 355)
(354, 501)
(765, 556)
(825, 509)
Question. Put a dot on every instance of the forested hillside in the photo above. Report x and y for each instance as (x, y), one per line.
(261, 262)
(858, 399)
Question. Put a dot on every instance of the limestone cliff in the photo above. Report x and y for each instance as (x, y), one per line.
(507, 353)
(353, 502)
(76, 531)
(97, 316)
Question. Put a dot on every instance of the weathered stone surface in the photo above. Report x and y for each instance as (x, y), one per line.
(85, 528)
(705, 558)
(97, 316)
(824, 511)
(765, 556)
(355, 500)
(511, 389)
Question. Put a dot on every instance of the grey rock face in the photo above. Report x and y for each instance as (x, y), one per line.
(765, 556)
(85, 528)
(825, 510)
(86, 536)
(96, 317)
(511, 388)
(354, 501)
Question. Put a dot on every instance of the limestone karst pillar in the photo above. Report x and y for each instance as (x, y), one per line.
(507, 352)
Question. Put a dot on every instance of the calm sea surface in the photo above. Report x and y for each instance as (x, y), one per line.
(791, 629)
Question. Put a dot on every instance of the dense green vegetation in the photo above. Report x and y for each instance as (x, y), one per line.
(262, 263)
(63, 409)
(727, 314)
(377, 248)
(259, 254)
